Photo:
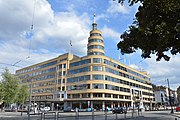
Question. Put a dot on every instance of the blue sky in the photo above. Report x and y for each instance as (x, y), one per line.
(56, 22)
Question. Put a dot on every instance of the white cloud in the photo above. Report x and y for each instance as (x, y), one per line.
(116, 7)
(52, 32)
(110, 33)
(162, 70)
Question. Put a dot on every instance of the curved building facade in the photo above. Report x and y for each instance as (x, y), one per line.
(95, 80)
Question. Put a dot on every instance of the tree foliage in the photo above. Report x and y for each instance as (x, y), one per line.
(155, 30)
(10, 86)
(22, 94)
(12, 91)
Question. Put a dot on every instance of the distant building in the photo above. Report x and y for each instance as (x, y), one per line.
(162, 96)
(94, 80)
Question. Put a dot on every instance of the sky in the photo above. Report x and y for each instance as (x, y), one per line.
(57, 22)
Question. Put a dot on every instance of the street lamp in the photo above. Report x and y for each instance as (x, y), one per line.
(170, 96)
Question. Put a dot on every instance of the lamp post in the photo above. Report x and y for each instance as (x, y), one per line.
(170, 96)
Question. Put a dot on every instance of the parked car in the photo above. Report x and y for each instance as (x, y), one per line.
(68, 109)
(119, 110)
(178, 109)
(45, 109)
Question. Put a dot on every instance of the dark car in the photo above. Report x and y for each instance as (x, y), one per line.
(119, 110)
(177, 109)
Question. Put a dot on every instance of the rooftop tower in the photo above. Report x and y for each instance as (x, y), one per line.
(95, 41)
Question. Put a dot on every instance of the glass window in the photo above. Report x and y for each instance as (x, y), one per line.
(108, 95)
(97, 68)
(97, 86)
(97, 94)
(75, 95)
(97, 60)
(115, 96)
(86, 95)
(98, 77)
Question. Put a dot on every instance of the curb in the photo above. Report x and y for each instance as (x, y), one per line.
(176, 116)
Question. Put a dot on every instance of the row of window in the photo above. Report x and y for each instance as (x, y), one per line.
(82, 62)
(80, 70)
(125, 75)
(117, 88)
(38, 73)
(106, 95)
(78, 79)
(124, 69)
(95, 47)
(95, 34)
(79, 87)
(39, 78)
(95, 53)
(108, 78)
(43, 90)
(48, 83)
(98, 86)
(112, 79)
(43, 97)
(37, 67)
(95, 40)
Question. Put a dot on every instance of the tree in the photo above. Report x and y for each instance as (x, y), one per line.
(155, 30)
(10, 86)
(178, 94)
(23, 94)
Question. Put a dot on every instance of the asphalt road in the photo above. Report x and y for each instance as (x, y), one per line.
(148, 115)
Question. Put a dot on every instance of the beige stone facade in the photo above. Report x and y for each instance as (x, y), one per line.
(94, 80)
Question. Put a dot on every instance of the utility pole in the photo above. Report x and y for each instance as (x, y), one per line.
(29, 100)
(170, 96)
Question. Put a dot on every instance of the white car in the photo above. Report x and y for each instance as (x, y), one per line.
(45, 109)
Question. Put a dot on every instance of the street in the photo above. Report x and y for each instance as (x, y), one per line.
(148, 115)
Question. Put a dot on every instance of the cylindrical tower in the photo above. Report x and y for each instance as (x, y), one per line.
(95, 41)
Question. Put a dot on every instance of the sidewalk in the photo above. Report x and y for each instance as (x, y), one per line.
(176, 114)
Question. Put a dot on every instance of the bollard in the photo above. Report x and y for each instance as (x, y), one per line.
(125, 114)
(116, 116)
(92, 113)
(44, 116)
(55, 116)
(41, 116)
(132, 113)
(105, 114)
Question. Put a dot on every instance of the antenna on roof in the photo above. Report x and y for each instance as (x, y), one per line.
(94, 18)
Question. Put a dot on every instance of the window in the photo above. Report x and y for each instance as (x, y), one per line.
(64, 65)
(75, 95)
(97, 94)
(98, 77)
(115, 96)
(95, 53)
(68, 95)
(62, 95)
(121, 96)
(97, 60)
(78, 79)
(80, 70)
(108, 95)
(97, 86)
(95, 40)
(86, 95)
(97, 68)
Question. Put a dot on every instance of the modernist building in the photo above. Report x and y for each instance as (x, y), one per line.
(94, 80)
